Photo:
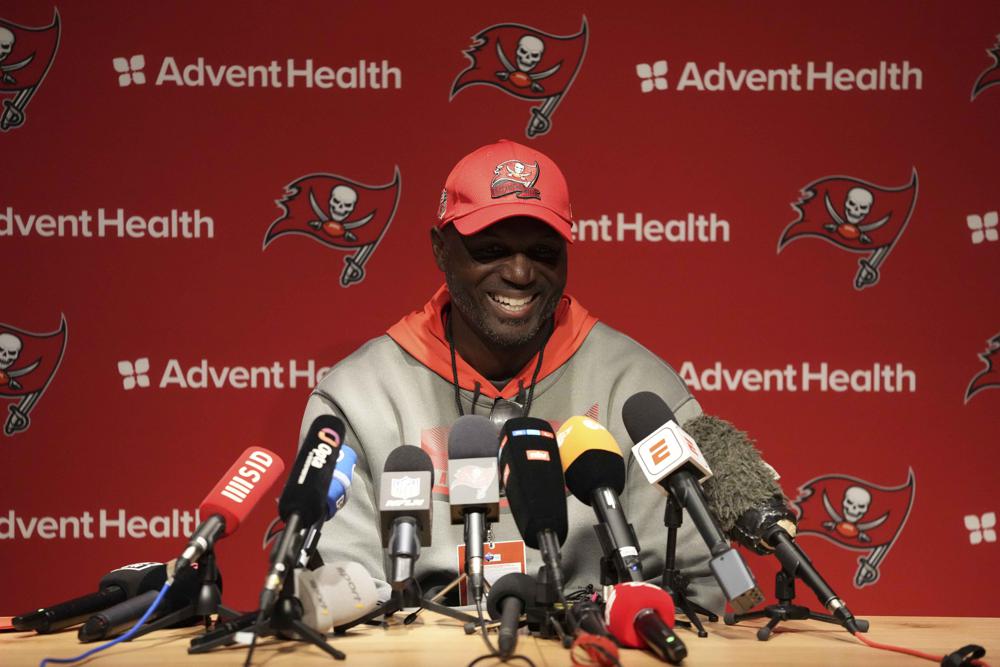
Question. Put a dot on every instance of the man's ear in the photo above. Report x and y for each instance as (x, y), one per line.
(437, 246)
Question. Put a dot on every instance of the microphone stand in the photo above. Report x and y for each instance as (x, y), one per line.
(285, 622)
(209, 600)
(674, 581)
(411, 596)
(786, 610)
(548, 615)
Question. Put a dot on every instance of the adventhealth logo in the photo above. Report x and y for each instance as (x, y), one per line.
(809, 76)
(134, 374)
(652, 76)
(138, 374)
(130, 70)
(290, 73)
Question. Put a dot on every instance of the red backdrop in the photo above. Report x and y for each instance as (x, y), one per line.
(720, 110)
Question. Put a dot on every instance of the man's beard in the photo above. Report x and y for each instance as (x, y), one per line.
(476, 315)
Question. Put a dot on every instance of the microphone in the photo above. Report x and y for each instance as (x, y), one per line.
(405, 509)
(670, 458)
(509, 597)
(303, 501)
(532, 475)
(587, 616)
(474, 490)
(334, 594)
(752, 510)
(641, 615)
(120, 617)
(244, 484)
(116, 586)
(595, 474)
(336, 498)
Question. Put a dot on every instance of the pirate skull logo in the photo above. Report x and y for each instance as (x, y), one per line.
(529, 52)
(516, 171)
(10, 349)
(857, 205)
(6, 46)
(855, 505)
(343, 199)
(528, 55)
(6, 43)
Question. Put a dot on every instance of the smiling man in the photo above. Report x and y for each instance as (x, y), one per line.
(499, 338)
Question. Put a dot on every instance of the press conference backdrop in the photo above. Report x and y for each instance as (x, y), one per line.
(205, 205)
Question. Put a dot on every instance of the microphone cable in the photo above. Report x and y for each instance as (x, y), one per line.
(967, 655)
(117, 640)
(589, 649)
(493, 652)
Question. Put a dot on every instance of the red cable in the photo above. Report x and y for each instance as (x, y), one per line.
(599, 651)
(909, 651)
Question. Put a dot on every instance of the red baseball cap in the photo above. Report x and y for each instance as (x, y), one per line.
(504, 180)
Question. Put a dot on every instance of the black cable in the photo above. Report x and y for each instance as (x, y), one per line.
(493, 652)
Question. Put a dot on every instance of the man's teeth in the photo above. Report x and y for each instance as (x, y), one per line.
(512, 304)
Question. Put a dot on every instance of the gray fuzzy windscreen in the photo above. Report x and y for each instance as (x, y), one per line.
(740, 479)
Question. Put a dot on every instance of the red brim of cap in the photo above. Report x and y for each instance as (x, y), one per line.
(480, 219)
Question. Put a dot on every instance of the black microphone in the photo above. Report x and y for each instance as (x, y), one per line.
(116, 586)
(474, 488)
(532, 474)
(595, 474)
(405, 509)
(752, 509)
(509, 597)
(303, 501)
(670, 458)
(120, 617)
(587, 616)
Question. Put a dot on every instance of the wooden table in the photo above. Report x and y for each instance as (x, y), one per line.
(436, 641)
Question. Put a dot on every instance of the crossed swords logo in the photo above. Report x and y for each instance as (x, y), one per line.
(337, 220)
(529, 52)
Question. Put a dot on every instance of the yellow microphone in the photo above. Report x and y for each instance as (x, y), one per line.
(595, 473)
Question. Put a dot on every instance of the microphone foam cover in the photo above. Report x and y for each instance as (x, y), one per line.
(473, 437)
(343, 476)
(408, 458)
(309, 480)
(740, 479)
(515, 584)
(244, 484)
(531, 472)
(334, 594)
(136, 578)
(643, 413)
(627, 600)
(590, 458)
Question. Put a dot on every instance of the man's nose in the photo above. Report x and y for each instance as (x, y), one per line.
(518, 270)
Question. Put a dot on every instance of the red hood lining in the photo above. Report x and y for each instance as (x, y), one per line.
(421, 333)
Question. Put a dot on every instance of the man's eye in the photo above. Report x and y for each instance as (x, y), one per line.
(545, 253)
(489, 253)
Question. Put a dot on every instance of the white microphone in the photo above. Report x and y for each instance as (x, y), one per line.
(334, 594)
(670, 459)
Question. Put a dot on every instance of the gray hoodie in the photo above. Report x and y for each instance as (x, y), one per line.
(399, 389)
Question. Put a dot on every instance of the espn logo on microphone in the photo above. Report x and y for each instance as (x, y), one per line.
(668, 449)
